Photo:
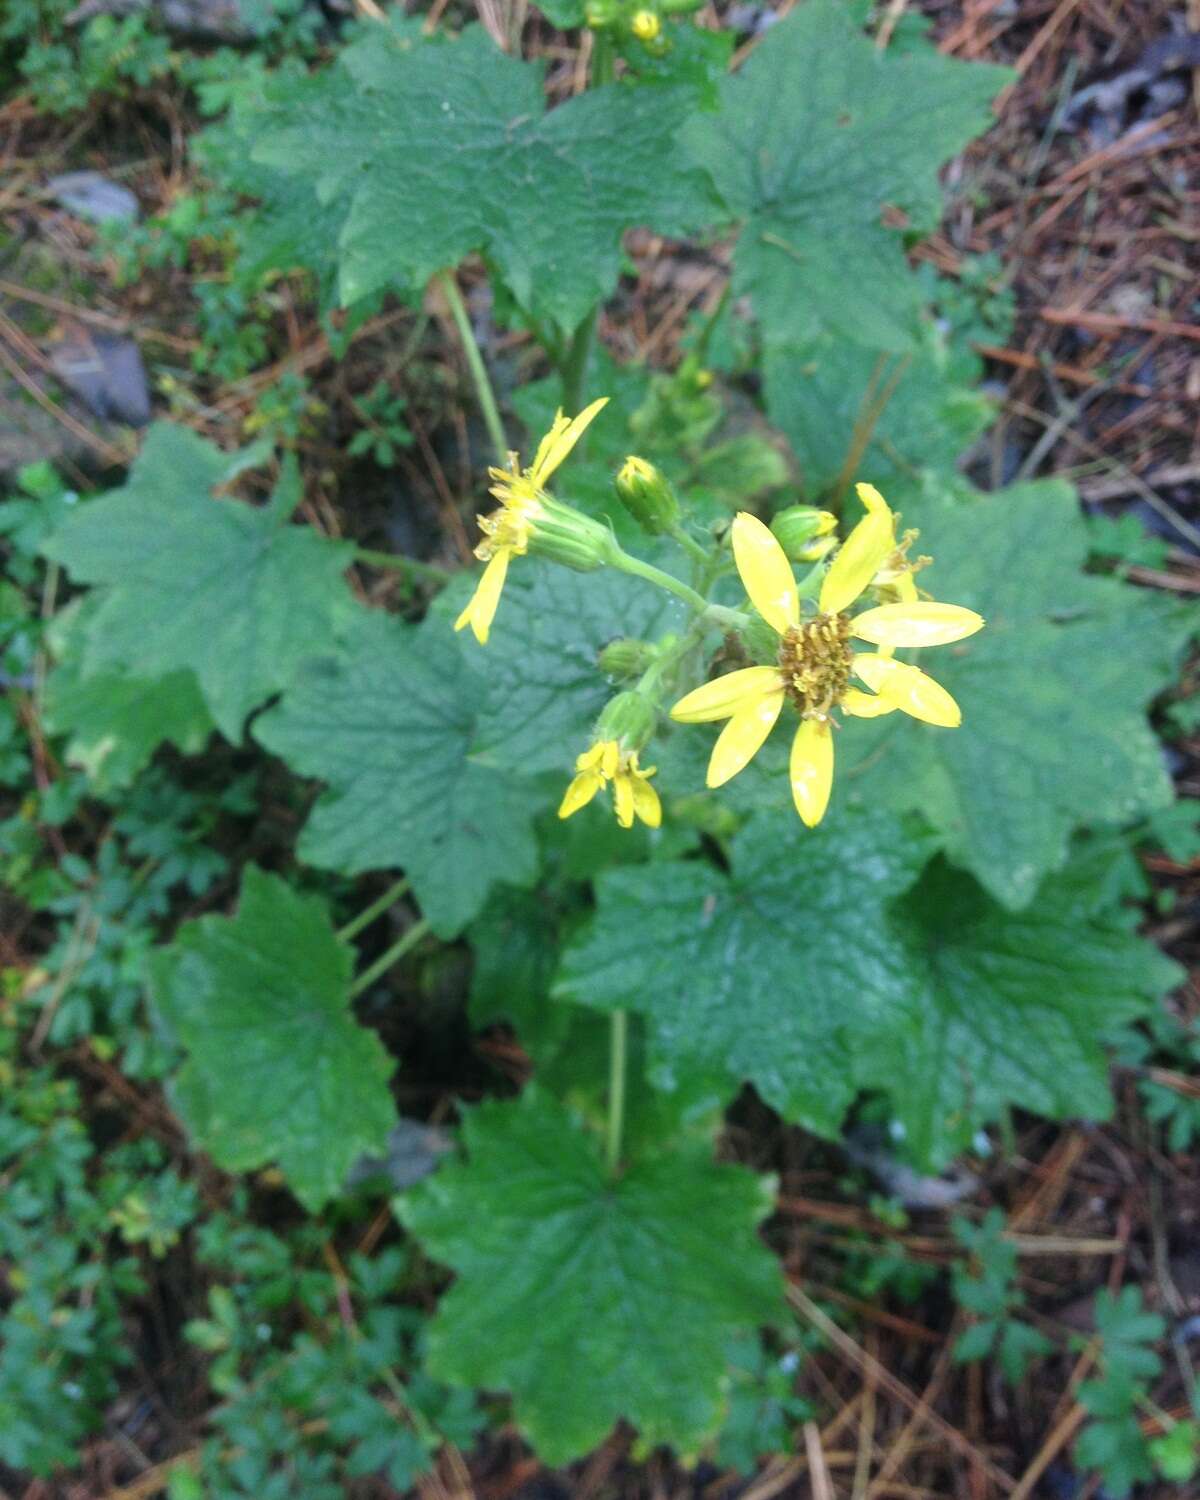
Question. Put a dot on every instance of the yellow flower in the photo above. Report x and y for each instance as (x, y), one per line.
(645, 25)
(507, 531)
(632, 793)
(815, 663)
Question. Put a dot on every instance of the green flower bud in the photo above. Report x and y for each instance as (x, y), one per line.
(600, 14)
(629, 719)
(647, 496)
(626, 658)
(804, 532)
(565, 536)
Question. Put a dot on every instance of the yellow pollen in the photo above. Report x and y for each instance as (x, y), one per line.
(815, 659)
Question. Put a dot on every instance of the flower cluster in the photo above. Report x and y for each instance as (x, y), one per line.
(813, 664)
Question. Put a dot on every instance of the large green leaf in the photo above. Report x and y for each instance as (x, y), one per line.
(817, 133)
(114, 722)
(638, 1282)
(818, 392)
(277, 1068)
(807, 972)
(542, 661)
(1053, 692)
(445, 147)
(390, 724)
(185, 582)
(1016, 1006)
(769, 973)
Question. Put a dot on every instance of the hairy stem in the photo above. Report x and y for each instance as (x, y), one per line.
(621, 559)
(402, 564)
(574, 365)
(376, 909)
(604, 59)
(479, 374)
(618, 1036)
(386, 960)
(699, 555)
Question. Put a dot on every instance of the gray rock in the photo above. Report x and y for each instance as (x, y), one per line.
(93, 196)
(413, 1152)
(106, 372)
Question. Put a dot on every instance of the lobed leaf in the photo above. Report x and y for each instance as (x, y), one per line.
(639, 1282)
(442, 148)
(391, 724)
(277, 1068)
(184, 582)
(802, 973)
(815, 136)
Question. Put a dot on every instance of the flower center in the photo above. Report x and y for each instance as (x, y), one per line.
(507, 529)
(815, 659)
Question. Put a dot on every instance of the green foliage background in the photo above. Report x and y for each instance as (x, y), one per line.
(948, 946)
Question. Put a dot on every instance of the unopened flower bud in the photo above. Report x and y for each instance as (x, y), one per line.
(804, 532)
(645, 25)
(626, 658)
(629, 719)
(647, 495)
(566, 536)
(814, 551)
(600, 14)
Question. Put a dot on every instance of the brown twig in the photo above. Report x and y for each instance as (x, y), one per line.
(895, 1387)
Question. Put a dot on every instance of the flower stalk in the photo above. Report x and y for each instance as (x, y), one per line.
(617, 1050)
(479, 374)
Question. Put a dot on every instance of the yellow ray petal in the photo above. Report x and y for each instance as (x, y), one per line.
(481, 610)
(873, 502)
(623, 797)
(591, 759)
(645, 803)
(742, 738)
(866, 705)
(580, 792)
(765, 571)
(559, 441)
(909, 689)
(923, 623)
(724, 696)
(862, 554)
(906, 587)
(811, 770)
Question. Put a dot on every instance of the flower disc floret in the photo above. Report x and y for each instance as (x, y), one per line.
(815, 660)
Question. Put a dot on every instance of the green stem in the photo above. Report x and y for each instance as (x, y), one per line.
(479, 374)
(575, 363)
(700, 347)
(376, 909)
(698, 554)
(402, 564)
(621, 559)
(604, 59)
(618, 1036)
(393, 956)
